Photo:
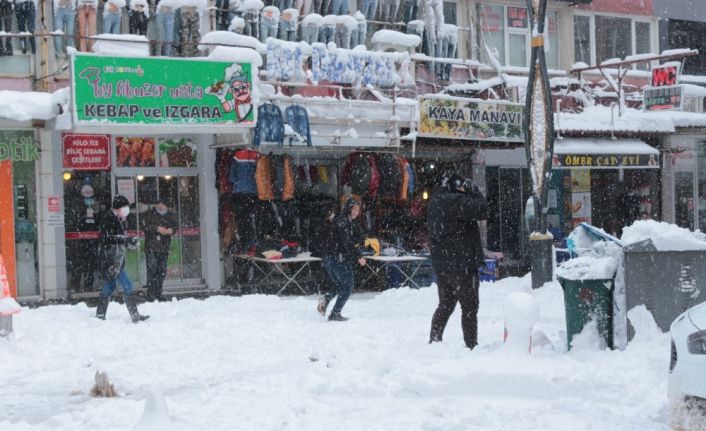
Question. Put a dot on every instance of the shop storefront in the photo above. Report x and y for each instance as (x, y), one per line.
(607, 183)
(685, 181)
(145, 130)
(492, 130)
(19, 154)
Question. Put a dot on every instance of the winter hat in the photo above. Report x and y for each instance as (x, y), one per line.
(120, 201)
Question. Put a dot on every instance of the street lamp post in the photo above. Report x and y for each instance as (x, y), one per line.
(538, 126)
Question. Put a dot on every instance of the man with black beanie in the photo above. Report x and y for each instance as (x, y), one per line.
(456, 253)
(112, 244)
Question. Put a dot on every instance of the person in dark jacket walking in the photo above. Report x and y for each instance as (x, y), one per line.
(456, 254)
(159, 225)
(345, 251)
(113, 242)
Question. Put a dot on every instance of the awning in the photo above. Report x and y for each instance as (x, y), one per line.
(604, 154)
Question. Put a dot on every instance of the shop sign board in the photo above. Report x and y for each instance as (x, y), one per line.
(18, 147)
(286, 62)
(663, 98)
(475, 119)
(602, 161)
(664, 75)
(161, 92)
(86, 152)
(55, 217)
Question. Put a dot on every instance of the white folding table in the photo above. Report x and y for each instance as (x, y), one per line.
(272, 268)
(382, 263)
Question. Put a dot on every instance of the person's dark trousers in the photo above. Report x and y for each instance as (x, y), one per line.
(342, 275)
(156, 271)
(222, 15)
(6, 26)
(457, 287)
(26, 15)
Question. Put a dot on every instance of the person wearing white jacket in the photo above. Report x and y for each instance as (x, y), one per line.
(26, 12)
(64, 18)
(112, 14)
(86, 23)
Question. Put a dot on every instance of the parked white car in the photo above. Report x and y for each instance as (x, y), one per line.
(687, 377)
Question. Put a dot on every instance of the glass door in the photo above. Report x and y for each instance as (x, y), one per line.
(181, 196)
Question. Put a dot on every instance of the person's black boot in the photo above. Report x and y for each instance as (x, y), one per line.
(336, 317)
(102, 308)
(132, 309)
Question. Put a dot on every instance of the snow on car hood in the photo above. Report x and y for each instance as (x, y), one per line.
(698, 315)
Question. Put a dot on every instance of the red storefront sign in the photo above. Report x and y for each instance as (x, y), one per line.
(664, 76)
(86, 152)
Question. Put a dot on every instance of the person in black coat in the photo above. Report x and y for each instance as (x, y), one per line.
(343, 252)
(112, 244)
(456, 254)
(159, 225)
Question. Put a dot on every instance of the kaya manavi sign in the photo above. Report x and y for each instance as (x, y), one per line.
(458, 118)
(161, 92)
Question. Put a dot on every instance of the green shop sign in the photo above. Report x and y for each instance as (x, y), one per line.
(161, 92)
(18, 147)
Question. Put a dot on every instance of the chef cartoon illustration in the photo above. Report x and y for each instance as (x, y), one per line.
(236, 83)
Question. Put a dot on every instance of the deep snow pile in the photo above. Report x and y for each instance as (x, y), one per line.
(268, 363)
(664, 236)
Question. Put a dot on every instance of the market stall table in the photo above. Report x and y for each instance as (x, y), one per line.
(379, 269)
(273, 268)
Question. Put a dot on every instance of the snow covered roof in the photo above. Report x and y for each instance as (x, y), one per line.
(598, 119)
(392, 37)
(229, 53)
(32, 105)
(228, 38)
(602, 146)
(124, 45)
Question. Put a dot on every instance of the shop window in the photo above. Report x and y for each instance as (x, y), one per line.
(450, 13)
(642, 42)
(506, 32)
(493, 31)
(86, 198)
(582, 39)
(684, 199)
(702, 188)
(613, 38)
(23, 192)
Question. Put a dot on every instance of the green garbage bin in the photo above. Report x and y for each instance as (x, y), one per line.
(586, 300)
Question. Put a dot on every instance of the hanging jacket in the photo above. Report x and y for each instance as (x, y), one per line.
(222, 165)
(404, 184)
(270, 125)
(298, 120)
(410, 172)
(390, 175)
(357, 173)
(263, 179)
(242, 171)
(289, 181)
(374, 177)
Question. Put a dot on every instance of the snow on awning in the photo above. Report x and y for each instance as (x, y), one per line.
(32, 105)
(604, 154)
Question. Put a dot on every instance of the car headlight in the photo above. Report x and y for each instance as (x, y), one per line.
(696, 343)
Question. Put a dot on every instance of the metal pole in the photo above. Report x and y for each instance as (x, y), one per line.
(538, 126)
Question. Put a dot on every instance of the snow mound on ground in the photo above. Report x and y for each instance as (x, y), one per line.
(642, 321)
(589, 339)
(664, 236)
(156, 415)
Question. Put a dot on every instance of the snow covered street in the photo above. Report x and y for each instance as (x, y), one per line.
(269, 363)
